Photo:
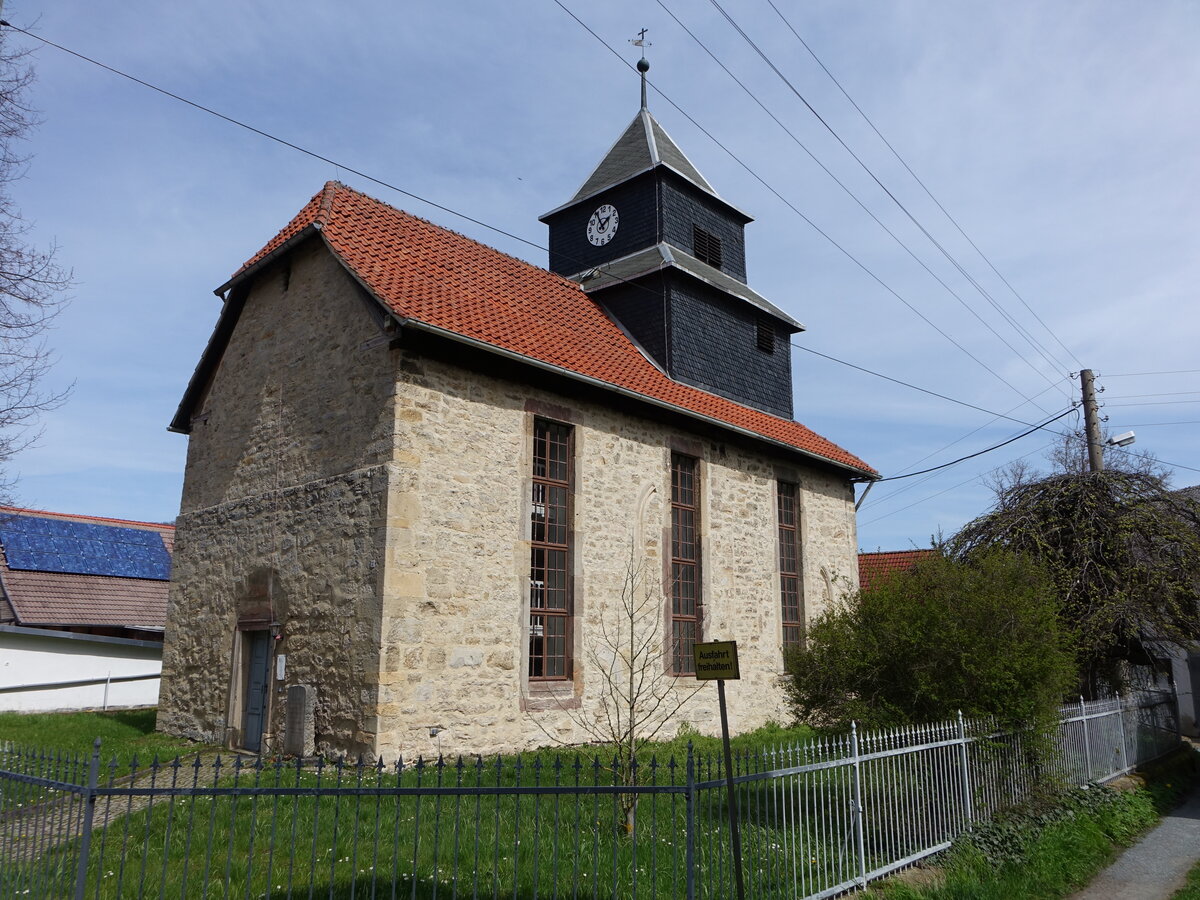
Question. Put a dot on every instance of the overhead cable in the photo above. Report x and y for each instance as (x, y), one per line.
(918, 180)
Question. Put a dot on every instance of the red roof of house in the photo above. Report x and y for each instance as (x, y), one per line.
(874, 567)
(67, 599)
(431, 277)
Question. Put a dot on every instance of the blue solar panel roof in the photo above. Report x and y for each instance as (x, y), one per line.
(83, 548)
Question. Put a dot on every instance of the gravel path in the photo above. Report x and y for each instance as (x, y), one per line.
(1156, 866)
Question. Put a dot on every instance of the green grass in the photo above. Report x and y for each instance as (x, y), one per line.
(1191, 890)
(123, 734)
(522, 846)
(1052, 847)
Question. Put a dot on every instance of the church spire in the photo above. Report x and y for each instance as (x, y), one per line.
(643, 64)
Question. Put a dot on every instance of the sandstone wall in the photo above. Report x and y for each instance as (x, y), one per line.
(455, 604)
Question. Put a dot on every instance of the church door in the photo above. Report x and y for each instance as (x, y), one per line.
(258, 677)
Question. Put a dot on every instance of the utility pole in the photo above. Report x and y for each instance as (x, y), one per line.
(1091, 420)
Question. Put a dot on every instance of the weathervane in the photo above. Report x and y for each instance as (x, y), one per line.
(643, 64)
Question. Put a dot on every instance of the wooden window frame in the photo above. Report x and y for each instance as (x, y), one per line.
(791, 595)
(685, 619)
(551, 546)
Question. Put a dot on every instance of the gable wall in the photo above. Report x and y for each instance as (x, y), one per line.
(282, 508)
(455, 608)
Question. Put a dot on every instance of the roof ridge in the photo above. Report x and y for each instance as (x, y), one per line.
(327, 195)
(894, 552)
(466, 237)
(18, 510)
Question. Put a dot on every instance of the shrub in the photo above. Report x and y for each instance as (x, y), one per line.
(982, 637)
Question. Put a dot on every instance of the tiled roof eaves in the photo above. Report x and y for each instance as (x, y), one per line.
(865, 474)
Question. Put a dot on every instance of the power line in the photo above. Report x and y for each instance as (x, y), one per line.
(904, 209)
(1108, 405)
(393, 187)
(918, 180)
(753, 174)
(913, 485)
(955, 462)
(1140, 374)
(952, 487)
(909, 384)
(1163, 394)
(899, 241)
(971, 432)
(271, 137)
(439, 206)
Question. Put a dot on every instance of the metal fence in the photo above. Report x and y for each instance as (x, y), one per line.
(816, 819)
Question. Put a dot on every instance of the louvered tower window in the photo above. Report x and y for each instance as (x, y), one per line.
(550, 553)
(706, 246)
(765, 335)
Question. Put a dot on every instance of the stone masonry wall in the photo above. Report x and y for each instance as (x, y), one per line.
(282, 511)
(375, 503)
(455, 604)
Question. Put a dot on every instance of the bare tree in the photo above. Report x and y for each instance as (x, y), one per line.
(638, 695)
(1069, 456)
(31, 281)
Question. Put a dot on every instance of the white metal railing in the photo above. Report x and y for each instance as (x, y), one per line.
(816, 819)
(854, 808)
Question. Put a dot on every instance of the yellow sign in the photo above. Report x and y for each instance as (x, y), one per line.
(716, 661)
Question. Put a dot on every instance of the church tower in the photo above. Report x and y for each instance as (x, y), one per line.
(651, 241)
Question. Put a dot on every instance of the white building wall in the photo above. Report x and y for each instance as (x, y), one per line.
(34, 656)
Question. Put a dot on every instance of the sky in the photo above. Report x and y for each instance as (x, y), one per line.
(988, 198)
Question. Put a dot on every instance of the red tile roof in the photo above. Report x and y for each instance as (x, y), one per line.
(430, 276)
(875, 567)
(62, 599)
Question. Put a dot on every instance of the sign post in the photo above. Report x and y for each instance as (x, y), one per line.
(718, 661)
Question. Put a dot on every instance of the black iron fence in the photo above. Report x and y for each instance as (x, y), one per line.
(816, 819)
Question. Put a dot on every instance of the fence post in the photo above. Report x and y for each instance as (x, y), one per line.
(1125, 764)
(690, 826)
(89, 812)
(968, 804)
(1087, 744)
(859, 837)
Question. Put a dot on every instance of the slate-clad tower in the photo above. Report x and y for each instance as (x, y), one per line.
(650, 240)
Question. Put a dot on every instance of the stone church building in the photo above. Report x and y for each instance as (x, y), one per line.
(420, 473)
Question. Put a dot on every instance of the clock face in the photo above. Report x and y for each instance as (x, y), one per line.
(602, 226)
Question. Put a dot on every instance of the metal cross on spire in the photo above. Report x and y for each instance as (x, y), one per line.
(643, 64)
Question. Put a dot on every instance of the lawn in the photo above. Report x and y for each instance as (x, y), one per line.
(276, 836)
(123, 734)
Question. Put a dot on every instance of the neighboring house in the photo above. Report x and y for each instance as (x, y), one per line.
(83, 602)
(419, 470)
(875, 567)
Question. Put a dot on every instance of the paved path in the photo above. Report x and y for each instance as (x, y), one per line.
(1156, 866)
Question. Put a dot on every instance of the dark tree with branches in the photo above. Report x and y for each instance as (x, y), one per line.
(32, 284)
(1123, 552)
